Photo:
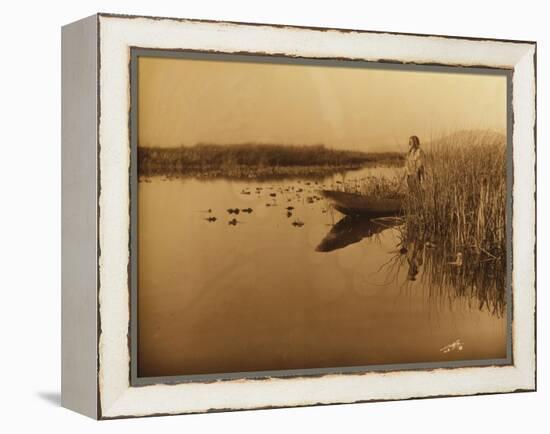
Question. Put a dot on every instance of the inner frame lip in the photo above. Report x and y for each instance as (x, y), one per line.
(277, 59)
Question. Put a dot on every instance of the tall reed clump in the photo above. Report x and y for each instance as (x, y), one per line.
(462, 199)
(453, 224)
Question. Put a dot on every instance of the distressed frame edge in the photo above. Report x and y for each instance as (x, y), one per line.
(531, 45)
(306, 27)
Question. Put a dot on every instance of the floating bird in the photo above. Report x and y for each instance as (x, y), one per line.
(273, 194)
(232, 222)
(289, 208)
(247, 210)
(298, 223)
(211, 219)
(233, 210)
(288, 214)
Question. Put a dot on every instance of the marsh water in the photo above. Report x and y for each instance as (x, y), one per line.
(290, 283)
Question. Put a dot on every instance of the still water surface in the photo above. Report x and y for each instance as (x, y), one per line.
(276, 288)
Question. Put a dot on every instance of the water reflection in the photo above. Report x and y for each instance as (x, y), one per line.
(446, 275)
(443, 274)
(415, 259)
(352, 229)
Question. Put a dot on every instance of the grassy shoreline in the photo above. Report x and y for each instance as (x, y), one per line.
(455, 222)
(253, 161)
(462, 198)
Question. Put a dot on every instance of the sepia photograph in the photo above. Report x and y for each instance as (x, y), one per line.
(297, 215)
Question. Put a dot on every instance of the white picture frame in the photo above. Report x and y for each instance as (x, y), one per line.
(96, 292)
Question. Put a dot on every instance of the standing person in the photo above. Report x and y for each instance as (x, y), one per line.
(414, 164)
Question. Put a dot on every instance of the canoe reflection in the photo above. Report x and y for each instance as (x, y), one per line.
(352, 229)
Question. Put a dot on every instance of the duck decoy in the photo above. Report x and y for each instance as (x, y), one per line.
(458, 261)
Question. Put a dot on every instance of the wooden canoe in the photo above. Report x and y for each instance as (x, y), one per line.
(353, 204)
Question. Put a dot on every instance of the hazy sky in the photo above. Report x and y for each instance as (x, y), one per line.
(185, 102)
